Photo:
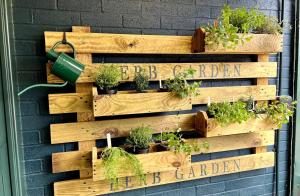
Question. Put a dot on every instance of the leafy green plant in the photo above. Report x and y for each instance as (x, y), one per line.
(226, 113)
(108, 76)
(239, 20)
(179, 85)
(279, 111)
(141, 81)
(116, 160)
(140, 137)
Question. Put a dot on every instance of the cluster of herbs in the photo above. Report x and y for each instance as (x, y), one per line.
(116, 160)
(141, 80)
(108, 76)
(140, 137)
(179, 85)
(233, 21)
(226, 113)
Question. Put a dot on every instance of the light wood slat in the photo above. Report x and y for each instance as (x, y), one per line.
(151, 163)
(83, 131)
(164, 71)
(144, 44)
(81, 102)
(209, 127)
(137, 103)
(197, 170)
(121, 43)
(76, 160)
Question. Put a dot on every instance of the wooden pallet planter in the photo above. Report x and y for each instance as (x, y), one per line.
(151, 163)
(137, 103)
(209, 127)
(259, 43)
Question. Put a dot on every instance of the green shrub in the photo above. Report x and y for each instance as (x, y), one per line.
(179, 85)
(227, 113)
(108, 76)
(140, 137)
(141, 81)
(116, 160)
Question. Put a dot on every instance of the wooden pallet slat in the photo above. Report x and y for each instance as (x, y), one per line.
(82, 159)
(212, 71)
(197, 170)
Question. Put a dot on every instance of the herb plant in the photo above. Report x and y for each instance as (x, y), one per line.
(226, 113)
(140, 137)
(116, 160)
(141, 81)
(108, 76)
(180, 87)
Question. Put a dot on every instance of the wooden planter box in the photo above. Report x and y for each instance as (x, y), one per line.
(151, 162)
(259, 44)
(125, 102)
(209, 127)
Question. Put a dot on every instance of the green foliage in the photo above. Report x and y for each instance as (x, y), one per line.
(279, 111)
(140, 137)
(141, 81)
(116, 160)
(227, 113)
(177, 144)
(179, 85)
(239, 20)
(108, 76)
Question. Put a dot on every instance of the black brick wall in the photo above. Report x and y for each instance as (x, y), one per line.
(168, 17)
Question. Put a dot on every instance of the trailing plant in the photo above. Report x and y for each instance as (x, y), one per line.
(179, 85)
(108, 76)
(141, 80)
(140, 137)
(116, 160)
(226, 113)
(279, 111)
(233, 21)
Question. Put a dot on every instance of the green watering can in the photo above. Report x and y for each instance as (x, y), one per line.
(65, 67)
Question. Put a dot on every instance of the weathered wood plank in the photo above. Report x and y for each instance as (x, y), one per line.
(209, 127)
(197, 170)
(136, 103)
(76, 160)
(83, 131)
(168, 70)
(82, 102)
(148, 44)
(151, 163)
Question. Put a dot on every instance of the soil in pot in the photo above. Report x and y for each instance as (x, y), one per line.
(137, 150)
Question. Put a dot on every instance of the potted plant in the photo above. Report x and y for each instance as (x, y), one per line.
(140, 139)
(141, 80)
(116, 160)
(107, 77)
(240, 30)
(179, 85)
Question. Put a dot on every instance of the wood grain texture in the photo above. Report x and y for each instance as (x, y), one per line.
(137, 103)
(78, 160)
(151, 163)
(222, 70)
(80, 102)
(260, 43)
(94, 130)
(91, 188)
(209, 127)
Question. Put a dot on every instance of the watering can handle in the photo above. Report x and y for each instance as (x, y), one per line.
(66, 43)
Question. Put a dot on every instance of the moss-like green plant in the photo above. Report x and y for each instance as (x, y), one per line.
(180, 87)
(116, 160)
(279, 111)
(141, 81)
(108, 76)
(140, 137)
(226, 113)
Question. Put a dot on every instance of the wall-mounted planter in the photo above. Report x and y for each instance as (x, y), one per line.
(137, 103)
(259, 43)
(209, 127)
(151, 162)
